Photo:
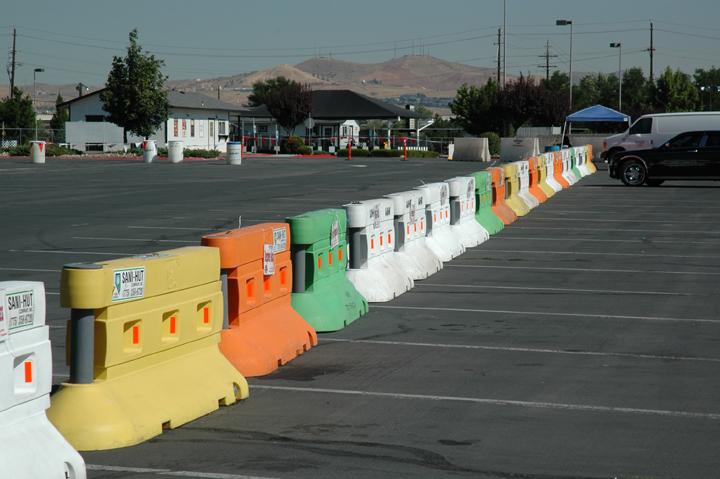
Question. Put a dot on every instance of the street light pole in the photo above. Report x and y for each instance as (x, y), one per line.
(619, 45)
(34, 97)
(569, 22)
(710, 90)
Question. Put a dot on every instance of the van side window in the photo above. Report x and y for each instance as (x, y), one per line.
(642, 126)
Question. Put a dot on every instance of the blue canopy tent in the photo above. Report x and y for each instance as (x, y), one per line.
(595, 113)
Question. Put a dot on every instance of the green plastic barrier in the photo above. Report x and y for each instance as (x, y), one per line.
(573, 162)
(483, 195)
(321, 293)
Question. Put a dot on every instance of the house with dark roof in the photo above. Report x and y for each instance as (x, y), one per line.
(334, 119)
(198, 120)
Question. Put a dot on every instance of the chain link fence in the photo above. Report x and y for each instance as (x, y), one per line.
(13, 137)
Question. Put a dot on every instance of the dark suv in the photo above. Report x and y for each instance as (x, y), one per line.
(694, 155)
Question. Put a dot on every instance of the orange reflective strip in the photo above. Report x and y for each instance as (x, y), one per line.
(372, 243)
(330, 258)
(319, 262)
(283, 277)
(415, 226)
(381, 240)
(435, 217)
(389, 238)
(249, 289)
(408, 229)
(136, 334)
(172, 324)
(340, 254)
(421, 226)
(206, 315)
(28, 371)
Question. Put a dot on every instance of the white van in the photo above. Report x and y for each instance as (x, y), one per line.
(650, 131)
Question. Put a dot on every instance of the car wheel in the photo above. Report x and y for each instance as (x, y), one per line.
(633, 173)
(654, 182)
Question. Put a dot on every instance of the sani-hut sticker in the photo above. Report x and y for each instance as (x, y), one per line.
(128, 283)
(280, 239)
(18, 310)
(269, 260)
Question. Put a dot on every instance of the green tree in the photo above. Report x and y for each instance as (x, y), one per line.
(675, 92)
(134, 95)
(57, 122)
(474, 108)
(262, 88)
(558, 83)
(17, 110)
(519, 101)
(708, 82)
(290, 105)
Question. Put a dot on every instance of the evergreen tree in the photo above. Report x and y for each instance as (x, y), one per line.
(17, 110)
(57, 122)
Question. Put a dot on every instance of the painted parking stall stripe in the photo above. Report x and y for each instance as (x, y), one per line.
(498, 402)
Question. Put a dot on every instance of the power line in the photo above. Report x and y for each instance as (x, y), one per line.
(547, 57)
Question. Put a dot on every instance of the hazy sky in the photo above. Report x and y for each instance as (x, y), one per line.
(75, 40)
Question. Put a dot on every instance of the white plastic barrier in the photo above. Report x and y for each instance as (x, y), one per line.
(550, 169)
(30, 446)
(524, 185)
(175, 151)
(462, 212)
(582, 161)
(439, 238)
(471, 149)
(567, 172)
(410, 227)
(373, 268)
(514, 149)
(234, 153)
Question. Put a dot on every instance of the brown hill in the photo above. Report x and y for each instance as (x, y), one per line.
(416, 71)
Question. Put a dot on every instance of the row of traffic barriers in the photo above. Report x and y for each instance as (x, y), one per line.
(157, 340)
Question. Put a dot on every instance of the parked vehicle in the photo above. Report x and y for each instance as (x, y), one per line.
(693, 155)
(650, 131)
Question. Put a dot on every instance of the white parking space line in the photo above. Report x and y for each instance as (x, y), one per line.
(605, 240)
(445, 265)
(522, 350)
(30, 270)
(680, 232)
(665, 222)
(135, 239)
(600, 254)
(543, 313)
(498, 402)
(200, 228)
(568, 290)
(69, 252)
(169, 472)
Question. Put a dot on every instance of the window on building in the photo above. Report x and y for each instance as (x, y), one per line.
(94, 118)
(221, 128)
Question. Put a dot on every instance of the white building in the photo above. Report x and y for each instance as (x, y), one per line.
(198, 120)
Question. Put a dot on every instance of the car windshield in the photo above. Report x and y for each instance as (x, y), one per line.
(686, 140)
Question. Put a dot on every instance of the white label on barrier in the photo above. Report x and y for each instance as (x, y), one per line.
(19, 309)
(334, 235)
(128, 283)
(269, 260)
(488, 183)
(411, 207)
(4, 330)
(375, 215)
(471, 188)
(279, 240)
(443, 195)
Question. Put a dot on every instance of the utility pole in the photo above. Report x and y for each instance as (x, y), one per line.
(504, 44)
(498, 55)
(12, 65)
(651, 50)
(547, 57)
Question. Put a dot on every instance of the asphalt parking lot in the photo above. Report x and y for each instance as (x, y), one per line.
(582, 341)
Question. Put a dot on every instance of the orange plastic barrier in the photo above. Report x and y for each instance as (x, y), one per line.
(499, 207)
(264, 331)
(589, 158)
(534, 189)
(557, 174)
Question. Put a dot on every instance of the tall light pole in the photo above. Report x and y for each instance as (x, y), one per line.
(710, 89)
(35, 95)
(619, 45)
(569, 22)
(504, 83)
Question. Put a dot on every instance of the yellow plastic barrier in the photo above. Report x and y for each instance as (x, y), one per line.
(542, 177)
(512, 188)
(589, 158)
(155, 364)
